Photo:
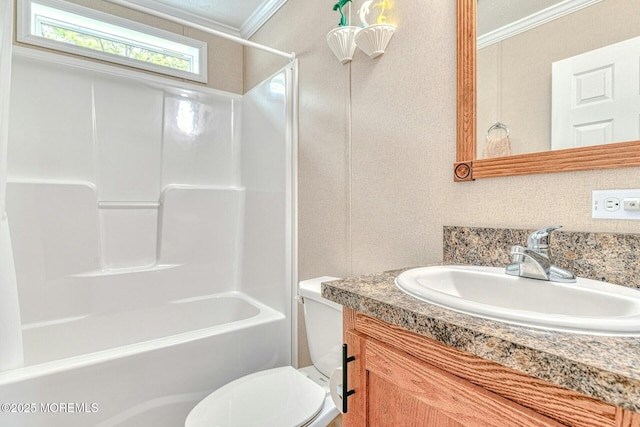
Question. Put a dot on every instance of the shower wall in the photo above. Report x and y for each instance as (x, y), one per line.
(127, 192)
(10, 336)
(266, 153)
(6, 38)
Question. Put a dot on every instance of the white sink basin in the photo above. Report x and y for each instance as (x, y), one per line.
(587, 306)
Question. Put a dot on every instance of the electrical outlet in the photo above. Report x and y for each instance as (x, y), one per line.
(611, 204)
(615, 204)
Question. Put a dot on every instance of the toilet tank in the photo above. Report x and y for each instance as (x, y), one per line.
(323, 319)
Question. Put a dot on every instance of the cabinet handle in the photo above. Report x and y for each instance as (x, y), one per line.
(345, 375)
(338, 386)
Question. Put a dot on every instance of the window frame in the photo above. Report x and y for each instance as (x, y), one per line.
(24, 35)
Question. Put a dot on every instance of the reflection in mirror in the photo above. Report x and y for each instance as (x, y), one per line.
(556, 74)
(529, 120)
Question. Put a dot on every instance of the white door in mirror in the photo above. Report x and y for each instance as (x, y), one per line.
(595, 97)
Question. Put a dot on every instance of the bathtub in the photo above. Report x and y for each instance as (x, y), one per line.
(141, 367)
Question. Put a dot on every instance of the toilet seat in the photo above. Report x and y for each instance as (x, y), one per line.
(275, 397)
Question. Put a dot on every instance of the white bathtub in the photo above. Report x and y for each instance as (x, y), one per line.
(139, 368)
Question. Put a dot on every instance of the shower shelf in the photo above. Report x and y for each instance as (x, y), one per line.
(128, 205)
(129, 270)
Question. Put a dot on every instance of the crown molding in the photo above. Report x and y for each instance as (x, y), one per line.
(257, 19)
(542, 17)
(261, 15)
(182, 14)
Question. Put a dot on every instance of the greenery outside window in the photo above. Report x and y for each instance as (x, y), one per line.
(71, 28)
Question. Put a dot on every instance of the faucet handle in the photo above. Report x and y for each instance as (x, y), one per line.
(538, 241)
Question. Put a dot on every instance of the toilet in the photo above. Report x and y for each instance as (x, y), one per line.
(284, 397)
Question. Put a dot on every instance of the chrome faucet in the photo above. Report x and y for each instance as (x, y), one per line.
(534, 261)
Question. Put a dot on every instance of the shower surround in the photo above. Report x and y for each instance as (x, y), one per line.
(151, 227)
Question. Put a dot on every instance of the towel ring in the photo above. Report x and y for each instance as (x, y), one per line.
(497, 125)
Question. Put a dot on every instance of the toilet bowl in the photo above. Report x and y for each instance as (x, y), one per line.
(284, 396)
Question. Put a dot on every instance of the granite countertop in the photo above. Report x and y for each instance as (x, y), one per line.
(603, 367)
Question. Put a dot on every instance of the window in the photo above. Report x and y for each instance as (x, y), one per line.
(63, 26)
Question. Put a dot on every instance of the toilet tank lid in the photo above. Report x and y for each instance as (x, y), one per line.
(311, 288)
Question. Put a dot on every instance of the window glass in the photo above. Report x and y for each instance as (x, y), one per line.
(68, 27)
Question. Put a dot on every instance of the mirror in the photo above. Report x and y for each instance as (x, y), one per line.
(471, 135)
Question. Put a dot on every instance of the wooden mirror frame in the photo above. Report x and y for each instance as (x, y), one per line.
(467, 168)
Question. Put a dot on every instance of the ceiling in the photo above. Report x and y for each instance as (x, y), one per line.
(236, 17)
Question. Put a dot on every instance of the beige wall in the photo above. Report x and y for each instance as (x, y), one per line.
(376, 198)
(514, 76)
(376, 189)
(225, 58)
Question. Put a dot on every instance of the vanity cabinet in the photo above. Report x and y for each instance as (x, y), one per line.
(404, 379)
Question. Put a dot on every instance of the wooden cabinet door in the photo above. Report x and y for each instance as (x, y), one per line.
(403, 391)
(430, 384)
(356, 416)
